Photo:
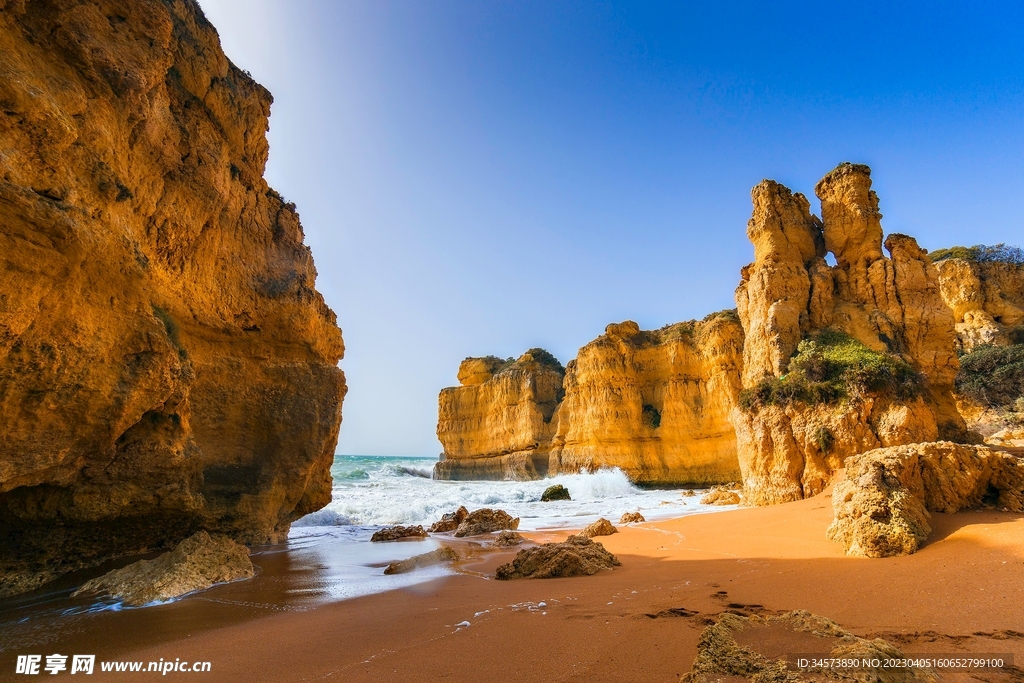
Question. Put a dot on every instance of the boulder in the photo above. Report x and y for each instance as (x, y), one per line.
(631, 518)
(601, 527)
(442, 554)
(575, 557)
(450, 521)
(508, 539)
(720, 496)
(397, 533)
(555, 492)
(197, 563)
(882, 506)
(486, 520)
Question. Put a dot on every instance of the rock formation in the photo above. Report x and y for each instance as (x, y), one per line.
(631, 518)
(720, 496)
(508, 539)
(485, 521)
(198, 562)
(555, 492)
(754, 648)
(601, 527)
(872, 319)
(654, 404)
(166, 364)
(397, 533)
(882, 505)
(986, 297)
(439, 556)
(450, 521)
(498, 423)
(577, 556)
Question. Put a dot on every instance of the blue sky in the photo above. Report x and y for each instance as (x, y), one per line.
(484, 177)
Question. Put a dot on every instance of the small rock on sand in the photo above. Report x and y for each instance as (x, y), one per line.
(720, 496)
(395, 533)
(601, 527)
(507, 539)
(443, 554)
(486, 520)
(631, 518)
(450, 521)
(198, 562)
(575, 557)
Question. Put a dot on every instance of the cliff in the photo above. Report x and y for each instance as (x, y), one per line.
(498, 423)
(985, 293)
(166, 364)
(654, 404)
(839, 359)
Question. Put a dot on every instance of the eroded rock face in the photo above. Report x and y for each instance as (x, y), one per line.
(881, 507)
(197, 563)
(891, 305)
(397, 533)
(450, 521)
(654, 404)
(986, 298)
(486, 520)
(577, 556)
(720, 496)
(166, 364)
(498, 424)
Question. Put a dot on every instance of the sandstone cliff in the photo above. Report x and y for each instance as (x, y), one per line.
(165, 362)
(654, 404)
(498, 423)
(875, 342)
(986, 297)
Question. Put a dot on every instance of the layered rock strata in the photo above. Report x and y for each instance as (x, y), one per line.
(166, 364)
(882, 505)
(655, 404)
(890, 305)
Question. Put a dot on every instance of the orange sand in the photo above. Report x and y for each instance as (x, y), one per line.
(964, 591)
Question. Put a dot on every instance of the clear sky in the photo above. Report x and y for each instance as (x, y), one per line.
(480, 177)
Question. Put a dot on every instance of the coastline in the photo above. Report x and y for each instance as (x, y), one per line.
(959, 593)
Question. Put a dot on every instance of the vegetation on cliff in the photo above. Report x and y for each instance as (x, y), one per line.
(993, 376)
(832, 366)
(981, 253)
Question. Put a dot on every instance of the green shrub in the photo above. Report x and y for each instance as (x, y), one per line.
(993, 375)
(981, 253)
(833, 366)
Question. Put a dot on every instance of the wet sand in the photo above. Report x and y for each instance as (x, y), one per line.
(963, 592)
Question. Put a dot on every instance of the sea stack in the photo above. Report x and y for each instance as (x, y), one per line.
(166, 364)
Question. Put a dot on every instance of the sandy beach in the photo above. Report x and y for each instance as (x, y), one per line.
(960, 593)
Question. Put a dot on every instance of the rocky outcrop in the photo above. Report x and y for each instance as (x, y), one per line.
(881, 367)
(439, 556)
(198, 562)
(631, 518)
(555, 492)
(498, 423)
(508, 539)
(601, 527)
(986, 298)
(577, 556)
(398, 533)
(720, 496)
(882, 506)
(450, 521)
(166, 364)
(654, 404)
(754, 648)
(485, 521)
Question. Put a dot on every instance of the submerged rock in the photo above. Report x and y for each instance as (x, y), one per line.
(718, 496)
(556, 492)
(450, 521)
(396, 533)
(757, 656)
(508, 539)
(575, 557)
(601, 527)
(631, 518)
(443, 554)
(882, 506)
(198, 562)
(486, 520)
